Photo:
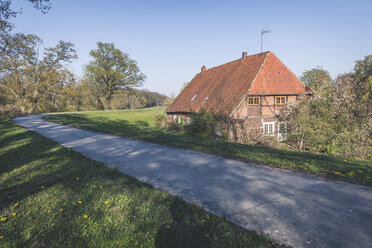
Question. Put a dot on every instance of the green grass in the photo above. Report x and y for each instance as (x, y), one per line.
(63, 199)
(139, 124)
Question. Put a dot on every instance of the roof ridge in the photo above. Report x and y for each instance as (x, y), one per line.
(267, 52)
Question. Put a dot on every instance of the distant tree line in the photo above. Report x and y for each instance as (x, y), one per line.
(34, 79)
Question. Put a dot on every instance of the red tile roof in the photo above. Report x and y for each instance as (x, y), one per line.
(221, 88)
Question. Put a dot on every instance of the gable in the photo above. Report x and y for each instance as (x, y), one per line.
(275, 78)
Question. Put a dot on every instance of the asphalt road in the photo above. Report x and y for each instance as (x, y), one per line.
(292, 208)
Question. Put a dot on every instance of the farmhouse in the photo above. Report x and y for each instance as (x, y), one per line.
(251, 91)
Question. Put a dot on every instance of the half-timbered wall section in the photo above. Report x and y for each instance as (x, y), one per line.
(254, 116)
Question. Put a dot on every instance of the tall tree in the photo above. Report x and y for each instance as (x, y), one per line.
(337, 118)
(317, 79)
(353, 116)
(363, 75)
(6, 11)
(310, 120)
(109, 71)
(26, 75)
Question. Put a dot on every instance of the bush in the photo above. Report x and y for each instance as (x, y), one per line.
(9, 110)
(202, 123)
(160, 119)
(71, 108)
(336, 119)
(175, 126)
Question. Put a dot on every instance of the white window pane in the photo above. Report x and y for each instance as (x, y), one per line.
(268, 128)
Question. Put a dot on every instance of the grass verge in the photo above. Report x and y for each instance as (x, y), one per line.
(51, 196)
(139, 124)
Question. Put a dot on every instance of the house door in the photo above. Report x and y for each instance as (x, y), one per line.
(282, 131)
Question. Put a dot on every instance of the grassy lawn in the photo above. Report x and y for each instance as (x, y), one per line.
(139, 124)
(51, 196)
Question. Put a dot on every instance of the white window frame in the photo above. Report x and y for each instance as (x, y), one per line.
(282, 136)
(268, 123)
(218, 129)
(186, 120)
(177, 119)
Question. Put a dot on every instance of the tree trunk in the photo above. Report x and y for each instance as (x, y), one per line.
(100, 104)
(108, 103)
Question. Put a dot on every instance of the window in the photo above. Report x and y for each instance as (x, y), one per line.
(177, 119)
(186, 120)
(268, 128)
(280, 100)
(282, 131)
(192, 99)
(218, 129)
(255, 100)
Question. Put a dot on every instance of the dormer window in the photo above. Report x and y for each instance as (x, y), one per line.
(192, 99)
(206, 99)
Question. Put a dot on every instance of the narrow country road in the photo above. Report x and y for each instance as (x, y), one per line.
(292, 208)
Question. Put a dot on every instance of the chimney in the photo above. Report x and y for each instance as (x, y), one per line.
(245, 54)
(203, 68)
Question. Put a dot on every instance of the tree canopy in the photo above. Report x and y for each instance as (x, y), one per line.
(316, 79)
(337, 119)
(34, 79)
(109, 71)
(6, 10)
(27, 76)
(363, 74)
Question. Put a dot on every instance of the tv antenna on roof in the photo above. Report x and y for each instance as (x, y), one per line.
(262, 33)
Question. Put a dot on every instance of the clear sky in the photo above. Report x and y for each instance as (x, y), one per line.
(172, 39)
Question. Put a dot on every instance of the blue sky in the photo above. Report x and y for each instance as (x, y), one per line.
(171, 40)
